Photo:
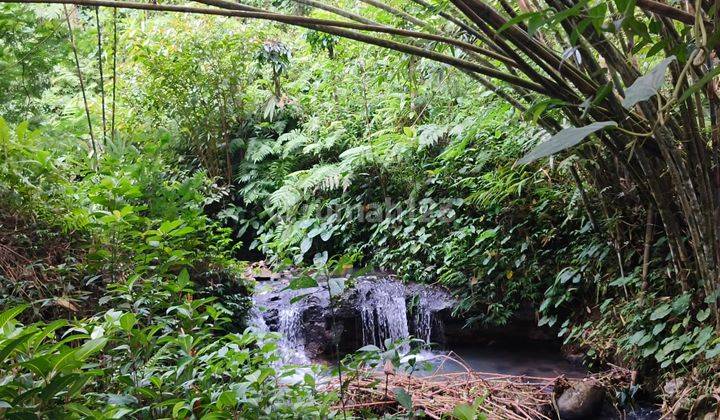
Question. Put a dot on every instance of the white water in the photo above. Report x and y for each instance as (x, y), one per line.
(379, 304)
(291, 347)
(382, 312)
(292, 344)
(423, 321)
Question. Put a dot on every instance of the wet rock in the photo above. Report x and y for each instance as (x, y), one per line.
(260, 271)
(349, 310)
(581, 400)
(575, 358)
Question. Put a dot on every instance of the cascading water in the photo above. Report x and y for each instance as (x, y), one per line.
(256, 321)
(423, 321)
(291, 347)
(382, 311)
(292, 343)
(425, 305)
(372, 310)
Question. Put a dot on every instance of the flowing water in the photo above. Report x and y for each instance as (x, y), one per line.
(423, 323)
(292, 342)
(382, 312)
(386, 309)
(291, 348)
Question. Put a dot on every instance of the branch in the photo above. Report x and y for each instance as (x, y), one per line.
(315, 24)
(223, 4)
(459, 23)
(666, 10)
(337, 11)
(399, 13)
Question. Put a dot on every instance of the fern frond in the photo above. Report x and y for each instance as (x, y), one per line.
(285, 197)
(326, 177)
(430, 134)
(358, 155)
(259, 149)
(325, 142)
(291, 142)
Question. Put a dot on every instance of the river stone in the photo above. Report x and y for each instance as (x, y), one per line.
(580, 401)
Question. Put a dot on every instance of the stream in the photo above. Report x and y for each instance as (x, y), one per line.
(376, 308)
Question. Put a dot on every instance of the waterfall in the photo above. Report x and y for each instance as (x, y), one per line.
(256, 321)
(372, 310)
(291, 347)
(423, 321)
(382, 311)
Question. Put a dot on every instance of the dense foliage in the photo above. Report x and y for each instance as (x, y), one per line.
(121, 253)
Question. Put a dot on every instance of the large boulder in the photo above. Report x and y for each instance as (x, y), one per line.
(581, 400)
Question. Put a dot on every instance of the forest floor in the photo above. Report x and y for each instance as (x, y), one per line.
(479, 393)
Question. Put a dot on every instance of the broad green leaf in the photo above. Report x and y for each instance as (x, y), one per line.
(681, 304)
(47, 331)
(227, 399)
(369, 347)
(309, 380)
(6, 350)
(635, 338)
(89, 348)
(10, 314)
(713, 352)
(564, 139)
(179, 406)
(41, 365)
(80, 409)
(661, 312)
(305, 244)
(327, 234)
(464, 412)
(303, 282)
(648, 85)
(127, 321)
(403, 398)
(183, 277)
(182, 231)
(20, 130)
(214, 416)
(166, 227)
(535, 111)
(337, 286)
(320, 259)
(59, 383)
(4, 130)
(703, 314)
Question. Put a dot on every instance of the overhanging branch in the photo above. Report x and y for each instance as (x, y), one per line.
(322, 25)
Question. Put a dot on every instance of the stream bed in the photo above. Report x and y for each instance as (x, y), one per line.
(376, 308)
